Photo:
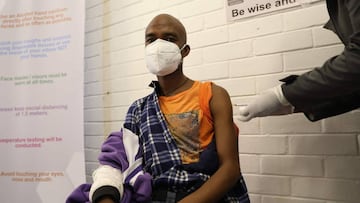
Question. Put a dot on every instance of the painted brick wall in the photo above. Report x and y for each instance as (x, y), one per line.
(284, 159)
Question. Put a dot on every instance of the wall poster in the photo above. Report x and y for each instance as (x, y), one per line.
(41, 105)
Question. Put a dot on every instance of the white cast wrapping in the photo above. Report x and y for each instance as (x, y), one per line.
(107, 176)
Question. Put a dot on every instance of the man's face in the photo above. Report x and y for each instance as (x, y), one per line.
(166, 28)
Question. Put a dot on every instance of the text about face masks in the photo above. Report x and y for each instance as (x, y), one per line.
(32, 79)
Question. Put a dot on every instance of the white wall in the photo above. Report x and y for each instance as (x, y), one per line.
(284, 159)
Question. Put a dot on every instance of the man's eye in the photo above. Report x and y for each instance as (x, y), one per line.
(170, 39)
(149, 40)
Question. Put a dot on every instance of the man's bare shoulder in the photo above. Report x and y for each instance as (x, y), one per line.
(219, 90)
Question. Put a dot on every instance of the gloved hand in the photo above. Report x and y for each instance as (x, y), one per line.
(271, 102)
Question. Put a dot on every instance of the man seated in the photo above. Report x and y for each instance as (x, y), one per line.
(178, 144)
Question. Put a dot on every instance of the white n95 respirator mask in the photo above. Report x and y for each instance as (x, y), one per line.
(162, 57)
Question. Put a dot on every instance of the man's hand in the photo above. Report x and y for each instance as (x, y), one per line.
(271, 102)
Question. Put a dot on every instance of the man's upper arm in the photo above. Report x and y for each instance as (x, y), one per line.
(221, 109)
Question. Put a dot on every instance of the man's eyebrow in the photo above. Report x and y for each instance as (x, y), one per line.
(149, 35)
(166, 34)
(170, 34)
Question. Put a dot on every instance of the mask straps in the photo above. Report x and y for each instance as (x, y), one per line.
(183, 47)
(181, 51)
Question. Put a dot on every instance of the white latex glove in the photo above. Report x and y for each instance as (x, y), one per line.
(271, 102)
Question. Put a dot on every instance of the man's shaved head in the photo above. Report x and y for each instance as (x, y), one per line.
(166, 27)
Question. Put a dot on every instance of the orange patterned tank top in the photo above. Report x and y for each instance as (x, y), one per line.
(189, 119)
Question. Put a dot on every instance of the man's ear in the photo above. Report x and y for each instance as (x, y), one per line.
(185, 51)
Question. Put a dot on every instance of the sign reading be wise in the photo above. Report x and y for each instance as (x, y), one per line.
(237, 9)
